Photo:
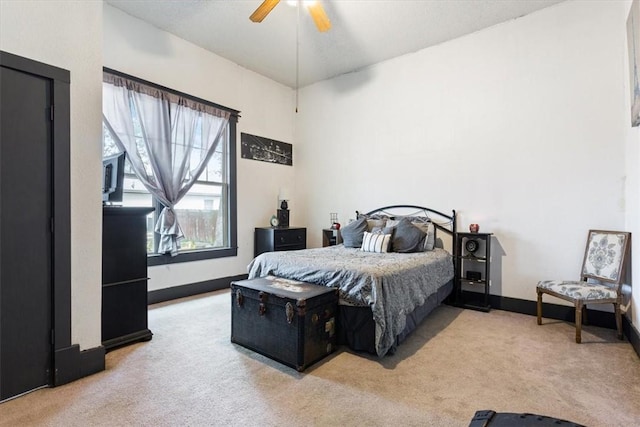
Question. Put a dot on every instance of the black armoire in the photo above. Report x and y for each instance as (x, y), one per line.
(124, 276)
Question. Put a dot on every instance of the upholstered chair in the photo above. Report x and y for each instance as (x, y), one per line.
(601, 279)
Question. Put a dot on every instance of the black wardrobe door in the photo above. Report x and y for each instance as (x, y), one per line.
(25, 232)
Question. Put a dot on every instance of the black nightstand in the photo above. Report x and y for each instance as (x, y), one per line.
(331, 237)
(473, 269)
(270, 239)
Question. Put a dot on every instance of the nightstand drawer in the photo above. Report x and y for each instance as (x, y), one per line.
(287, 239)
(269, 239)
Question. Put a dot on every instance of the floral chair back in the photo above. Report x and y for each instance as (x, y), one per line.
(604, 256)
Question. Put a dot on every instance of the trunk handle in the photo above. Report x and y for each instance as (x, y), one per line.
(290, 312)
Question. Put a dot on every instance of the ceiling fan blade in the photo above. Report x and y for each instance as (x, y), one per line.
(319, 16)
(263, 10)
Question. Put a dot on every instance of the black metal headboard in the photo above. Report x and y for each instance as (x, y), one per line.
(441, 221)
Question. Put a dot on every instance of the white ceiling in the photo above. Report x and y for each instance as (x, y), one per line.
(363, 32)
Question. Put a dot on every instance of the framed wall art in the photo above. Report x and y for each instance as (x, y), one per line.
(633, 43)
(265, 150)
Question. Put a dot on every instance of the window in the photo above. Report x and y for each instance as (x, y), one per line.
(206, 213)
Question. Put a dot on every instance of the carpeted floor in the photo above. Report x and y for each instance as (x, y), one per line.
(457, 362)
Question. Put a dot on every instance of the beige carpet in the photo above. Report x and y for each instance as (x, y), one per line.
(457, 362)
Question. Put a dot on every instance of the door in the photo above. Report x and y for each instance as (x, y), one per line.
(25, 232)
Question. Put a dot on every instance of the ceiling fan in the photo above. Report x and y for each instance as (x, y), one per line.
(315, 9)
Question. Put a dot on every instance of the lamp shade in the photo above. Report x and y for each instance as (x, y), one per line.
(284, 194)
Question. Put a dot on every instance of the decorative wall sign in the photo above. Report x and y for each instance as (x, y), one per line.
(633, 42)
(265, 149)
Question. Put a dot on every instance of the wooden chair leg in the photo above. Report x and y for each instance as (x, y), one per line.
(539, 307)
(585, 319)
(578, 322)
(616, 308)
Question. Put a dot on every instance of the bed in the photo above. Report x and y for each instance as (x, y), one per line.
(384, 296)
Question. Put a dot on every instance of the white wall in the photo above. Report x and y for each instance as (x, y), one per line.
(68, 34)
(267, 109)
(521, 128)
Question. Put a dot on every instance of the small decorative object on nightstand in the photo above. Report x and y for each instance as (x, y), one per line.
(283, 218)
(473, 269)
(331, 237)
(283, 212)
(471, 245)
(335, 225)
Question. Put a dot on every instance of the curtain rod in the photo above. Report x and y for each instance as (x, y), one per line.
(234, 113)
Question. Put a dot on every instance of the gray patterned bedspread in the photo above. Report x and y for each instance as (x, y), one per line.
(392, 284)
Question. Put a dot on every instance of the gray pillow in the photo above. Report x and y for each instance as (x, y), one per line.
(353, 233)
(408, 238)
(428, 228)
(382, 230)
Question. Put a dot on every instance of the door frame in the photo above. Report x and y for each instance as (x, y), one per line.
(65, 365)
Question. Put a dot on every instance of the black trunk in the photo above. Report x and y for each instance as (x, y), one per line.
(291, 322)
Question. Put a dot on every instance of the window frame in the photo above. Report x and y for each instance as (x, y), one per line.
(154, 259)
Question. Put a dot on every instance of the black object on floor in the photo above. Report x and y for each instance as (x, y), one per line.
(488, 418)
(289, 321)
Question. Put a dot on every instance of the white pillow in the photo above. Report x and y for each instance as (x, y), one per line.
(375, 242)
(372, 223)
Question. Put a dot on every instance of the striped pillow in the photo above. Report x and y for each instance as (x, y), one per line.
(375, 242)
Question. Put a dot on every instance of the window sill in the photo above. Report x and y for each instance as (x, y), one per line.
(155, 259)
